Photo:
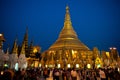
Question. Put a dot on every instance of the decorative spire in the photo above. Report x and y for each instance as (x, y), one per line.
(67, 16)
(25, 41)
(68, 37)
(23, 49)
(26, 36)
(31, 48)
(7, 52)
(67, 22)
(67, 30)
(15, 47)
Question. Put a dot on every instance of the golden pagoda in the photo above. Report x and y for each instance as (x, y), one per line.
(68, 37)
(68, 50)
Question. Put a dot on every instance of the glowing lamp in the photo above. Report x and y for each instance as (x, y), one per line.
(114, 48)
(88, 66)
(110, 48)
(98, 66)
(36, 64)
(40, 65)
(58, 65)
(34, 50)
(68, 65)
(5, 65)
(0, 34)
(118, 69)
(77, 65)
(46, 66)
(2, 72)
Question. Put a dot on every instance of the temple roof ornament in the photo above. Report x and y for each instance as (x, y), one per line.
(68, 37)
(23, 48)
(15, 47)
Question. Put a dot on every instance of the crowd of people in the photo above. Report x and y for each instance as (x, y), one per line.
(60, 74)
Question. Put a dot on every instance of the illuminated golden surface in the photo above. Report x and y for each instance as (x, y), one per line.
(108, 54)
(68, 37)
(34, 50)
(67, 50)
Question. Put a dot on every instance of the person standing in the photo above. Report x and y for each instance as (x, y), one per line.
(74, 74)
(102, 74)
(56, 74)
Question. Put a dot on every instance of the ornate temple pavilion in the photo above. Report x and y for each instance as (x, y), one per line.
(68, 50)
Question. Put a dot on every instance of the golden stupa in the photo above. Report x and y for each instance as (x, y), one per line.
(68, 50)
(68, 37)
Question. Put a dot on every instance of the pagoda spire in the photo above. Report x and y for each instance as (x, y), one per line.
(25, 41)
(15, 47)
(31, 48)
(67, 30)
(7, 52)
(23, 48)
(67, 15)
(26, 37)
(68, 37)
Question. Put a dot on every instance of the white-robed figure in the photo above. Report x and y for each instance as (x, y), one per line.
(22, 61)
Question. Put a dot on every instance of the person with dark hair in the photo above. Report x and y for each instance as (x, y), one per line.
(56, 74)
(116, 74)
(46, 73)
(102, 74)
(74, 74)
(7, 74)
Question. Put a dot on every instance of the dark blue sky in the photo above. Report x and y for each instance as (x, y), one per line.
(96, 22)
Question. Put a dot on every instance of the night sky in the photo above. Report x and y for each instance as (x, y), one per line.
(96, 22)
